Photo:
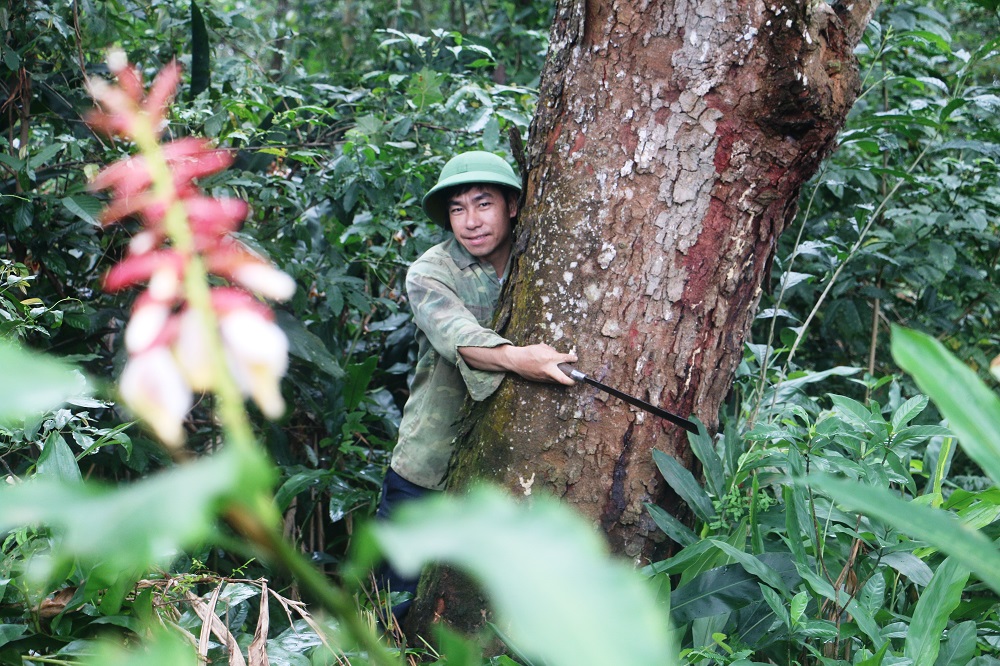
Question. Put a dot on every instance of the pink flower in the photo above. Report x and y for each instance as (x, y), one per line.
(153, 388)
(172, 349)
(123, 105)
(257, 353)
(166, 266)
(234, 261)
(188, 159)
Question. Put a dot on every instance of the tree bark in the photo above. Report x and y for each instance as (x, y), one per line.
(666, 156)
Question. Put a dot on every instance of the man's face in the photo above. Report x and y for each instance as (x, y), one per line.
(481, 219)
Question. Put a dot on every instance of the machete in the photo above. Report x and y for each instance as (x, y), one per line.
(576, 375)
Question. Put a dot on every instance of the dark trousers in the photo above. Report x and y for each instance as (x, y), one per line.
(395, 491)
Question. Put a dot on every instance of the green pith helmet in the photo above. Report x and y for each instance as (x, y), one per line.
(476, 166)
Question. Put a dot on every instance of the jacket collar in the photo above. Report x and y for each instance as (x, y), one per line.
(464, 260)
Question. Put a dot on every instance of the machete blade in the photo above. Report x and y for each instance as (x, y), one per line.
(576, 375)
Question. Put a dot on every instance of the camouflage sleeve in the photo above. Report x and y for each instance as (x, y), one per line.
(448, 324)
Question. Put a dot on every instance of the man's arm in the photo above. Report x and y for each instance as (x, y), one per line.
(538, 363)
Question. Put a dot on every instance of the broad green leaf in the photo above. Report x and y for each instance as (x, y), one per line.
(424, 88)
(787, 389)
(10, 58)
(57, 461)
(728, 588)
(681, 561)
(776, 603)
(910, 566)
(164, 648)
(972, 409)
(701, 446)
(133, 526)
(457, 649)
(531, 561)
(934, 607)
(711, 557)
(794, 533)
(752, 565)
(938, 528)
(672, 527)
(684, 484)
(296, 484)
(872, 597)
(358, 377)
(919, 432)
(797, 607)
(10, 632)
(44, 155)
(959, 646)
(87, 208)
(861, 617)
(853, 411)
(875, 659)
(307, 346)
(908, 411)
(43, 383)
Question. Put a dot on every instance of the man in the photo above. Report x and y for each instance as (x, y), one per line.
(453, 290)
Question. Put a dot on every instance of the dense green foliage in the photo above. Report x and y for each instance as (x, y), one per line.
(341, 113)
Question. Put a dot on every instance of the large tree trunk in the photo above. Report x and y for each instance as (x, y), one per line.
(666, 156)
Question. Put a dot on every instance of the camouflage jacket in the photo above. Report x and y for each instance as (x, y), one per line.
(452, 296)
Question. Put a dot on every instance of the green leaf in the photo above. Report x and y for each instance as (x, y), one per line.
(752, 565)
(85, 207)
(307, 346)
(455, 648)
(57, 461)
(672, 527)
(10, 58)
(684, 484)
(972, 409)
(43, 383)
(853, 412)
(875, 659)
(424, 88)
(133, 526)
(10, 632)
(201, 51)
(936, 527)
(11, 161)
(701, 446)
(44, 155)
(910, 566)
(532, 561)
(776, 603)
(793, 505)
(861, 617)
(908, 411)
(919, 432)
(491, 135)
(359, 375)
(296, 484)
(957, 649)
(728, 588)
(164, 648)
(797, 607)
(934, 607)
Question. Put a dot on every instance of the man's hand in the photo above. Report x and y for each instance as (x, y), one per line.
(539, 363)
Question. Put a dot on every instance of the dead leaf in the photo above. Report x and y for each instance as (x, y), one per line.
(257, 653)
(218, 627)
